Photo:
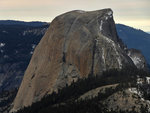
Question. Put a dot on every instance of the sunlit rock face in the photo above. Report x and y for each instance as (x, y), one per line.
(77, 44)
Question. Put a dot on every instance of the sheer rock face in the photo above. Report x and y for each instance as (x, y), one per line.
(77, 44)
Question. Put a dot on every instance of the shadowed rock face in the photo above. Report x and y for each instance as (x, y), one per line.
(77, 44)
(138, 59)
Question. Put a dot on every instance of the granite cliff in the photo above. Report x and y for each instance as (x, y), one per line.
(77, 44)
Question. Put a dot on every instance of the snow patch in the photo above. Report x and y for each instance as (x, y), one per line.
(80, 11)
(119, 45)
(4, 31)
(31, 52)
(136, 91)
(148, 80)
(2, 51)
(33, 46)
(103, 56)
(6, 56)
(16, 51)
(129, 54)
(101, 25)
(133, 90)
(136, 60)
(2, 44)
(139, 93)
(139, 81)
(106, 18)
(110, 14)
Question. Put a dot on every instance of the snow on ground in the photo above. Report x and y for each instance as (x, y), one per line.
(133, 90)
(136, 91)
(4, 31)
(31, 52)
(33, 46)
(2, 51)
(148, 80)
(2, 44)
(139, 81)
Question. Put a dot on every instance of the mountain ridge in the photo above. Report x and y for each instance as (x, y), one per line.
(17, 22)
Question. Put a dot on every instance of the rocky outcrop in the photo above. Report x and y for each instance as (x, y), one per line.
(77, 44)
(138, 59)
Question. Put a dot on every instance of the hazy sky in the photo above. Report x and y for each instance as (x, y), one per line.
(135, 13)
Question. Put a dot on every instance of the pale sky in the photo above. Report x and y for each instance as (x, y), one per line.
(135, 13)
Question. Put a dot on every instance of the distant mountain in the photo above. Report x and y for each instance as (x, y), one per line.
(17, 42)
(14, 22)
(148, 32)
(135, 38)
